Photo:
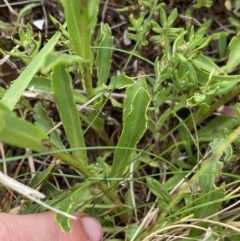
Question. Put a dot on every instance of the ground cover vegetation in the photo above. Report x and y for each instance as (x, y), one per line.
(126, 110)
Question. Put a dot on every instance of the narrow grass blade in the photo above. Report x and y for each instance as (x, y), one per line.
(12, 96)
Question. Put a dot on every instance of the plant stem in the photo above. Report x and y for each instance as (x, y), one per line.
(80, 167)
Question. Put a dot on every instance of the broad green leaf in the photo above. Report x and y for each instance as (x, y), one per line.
(59, 58)
(219, 88)
(208, 172)
(120, 81)
(69, 204)
(63, 96)
(134, 125)
(234, 58)
(210, 194)
(104, 54)
(213, 207)
(42, 85)
(216, 127)
(18, 132)
(43, 121)
(132, 229)
(158, 189)
(207, 64)
(216, 146)
(81, 19)
(81, 16)
(13, 94)
(204, 76)
(77, 17)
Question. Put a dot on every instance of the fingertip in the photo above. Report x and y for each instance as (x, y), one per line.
(92, 228)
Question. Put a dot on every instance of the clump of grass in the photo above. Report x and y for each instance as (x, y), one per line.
(167, 175)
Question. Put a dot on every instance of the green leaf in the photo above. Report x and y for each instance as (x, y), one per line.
(128, 201)
(43, 86)
(42, 176)
(213, 207)
(132, 230)
(222, 44)
(172, 182)
(158, 189)
(210, 194)
(120, 81)
(216, 127)
(196, 99)
(172, 17)
(201, 3)
(104, 54)
(163, 17)
(219, 88)
(26, 10)
(43, 121)
(77, 23)
(69, 204)
(169, 111)
(13, 94)
(40, 83)
(63, 96)
(207, 64)
(217, 144)
(204, 76)
(97, 124)
(134, 125)
(81, 18)
(18, 132)
(234, 58)
(57, 58)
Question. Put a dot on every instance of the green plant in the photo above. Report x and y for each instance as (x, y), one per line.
(185, 79)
